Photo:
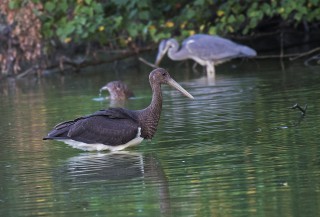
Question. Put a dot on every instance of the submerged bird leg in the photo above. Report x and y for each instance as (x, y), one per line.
(210, 69)
(303, 111)
(194, 66)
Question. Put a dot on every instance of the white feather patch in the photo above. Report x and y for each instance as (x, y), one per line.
(101, 147)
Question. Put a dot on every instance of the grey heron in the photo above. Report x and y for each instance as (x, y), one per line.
(117, 128)
(207, 50)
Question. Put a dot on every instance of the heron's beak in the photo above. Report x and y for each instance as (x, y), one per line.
(174, 84)
(159, 58)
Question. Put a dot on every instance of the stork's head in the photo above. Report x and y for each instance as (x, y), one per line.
(161, 76)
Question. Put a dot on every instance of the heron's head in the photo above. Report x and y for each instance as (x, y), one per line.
(162, 50)
(161, 76)
(164, 47)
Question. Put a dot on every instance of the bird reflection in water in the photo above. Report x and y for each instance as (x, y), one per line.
(117, 172)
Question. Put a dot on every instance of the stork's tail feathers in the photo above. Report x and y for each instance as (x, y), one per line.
(247, 51)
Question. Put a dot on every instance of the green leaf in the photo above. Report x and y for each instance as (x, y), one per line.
(245, 31)
(298, 17)
(63, 6)
(97, 7)
(118, 21)
(88, 1)
(49, 6)
(84, 35)
(133, 31)
(60, 33)
(199, 2)
(315, 2)
(253, 23)
(190, 14)
(133, 13)
(92, 29)
(144, 15)
(143, 3)
(69, 28)
(120, 2)
(212, 30)
(46, 28)
(13, 5)
(266, 9)
(63, 21)
(241, 18)
(231, 19)
(81, 20)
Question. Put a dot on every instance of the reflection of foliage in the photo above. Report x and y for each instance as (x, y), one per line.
(22, 40)
(135, 23)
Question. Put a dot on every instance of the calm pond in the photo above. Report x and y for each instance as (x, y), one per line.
(238, 149)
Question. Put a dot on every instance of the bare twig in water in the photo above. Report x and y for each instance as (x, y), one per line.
(316, 57)
(148, 63)
(303, 110)
(291, 57)
(305, 53)
(26, 72)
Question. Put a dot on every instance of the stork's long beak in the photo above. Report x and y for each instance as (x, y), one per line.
(104, 88)
(174, 84)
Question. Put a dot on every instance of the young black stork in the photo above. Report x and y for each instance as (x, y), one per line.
(117, 90)
(117, 128)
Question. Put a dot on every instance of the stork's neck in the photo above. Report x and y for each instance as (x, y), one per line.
(150, 116)
(156, 102)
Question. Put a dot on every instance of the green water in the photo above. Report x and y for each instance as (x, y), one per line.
(236, 150)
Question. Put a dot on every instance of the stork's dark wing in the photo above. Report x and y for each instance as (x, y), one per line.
(114, 126)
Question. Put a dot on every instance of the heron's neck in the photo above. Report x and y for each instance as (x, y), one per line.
(173, 52)
(150, 116)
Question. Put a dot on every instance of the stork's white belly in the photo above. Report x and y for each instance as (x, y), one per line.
(101, 147)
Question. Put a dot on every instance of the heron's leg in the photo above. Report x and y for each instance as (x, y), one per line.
(194, 67)
(210, 69)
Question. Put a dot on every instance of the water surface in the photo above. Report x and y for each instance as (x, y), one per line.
(236, 150)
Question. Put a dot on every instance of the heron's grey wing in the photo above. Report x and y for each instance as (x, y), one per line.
(212, 47)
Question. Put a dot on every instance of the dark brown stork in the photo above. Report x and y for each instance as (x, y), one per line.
(118, 90)
(117, 128)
